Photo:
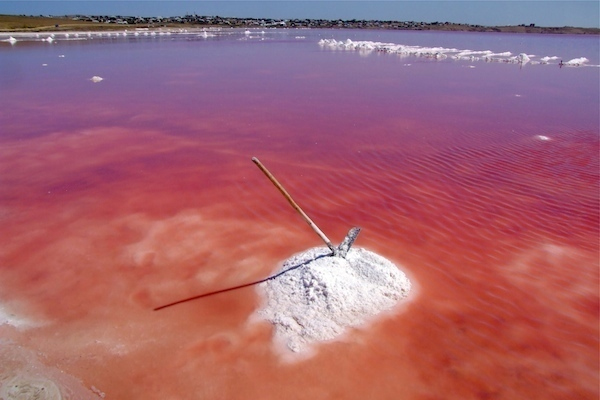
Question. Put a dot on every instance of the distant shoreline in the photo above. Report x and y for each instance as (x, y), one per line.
(22, 23)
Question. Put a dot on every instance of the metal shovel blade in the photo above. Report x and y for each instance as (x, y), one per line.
(344, 247)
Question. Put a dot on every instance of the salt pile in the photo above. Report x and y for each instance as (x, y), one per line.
(316, 296)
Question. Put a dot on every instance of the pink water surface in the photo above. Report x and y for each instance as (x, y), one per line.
(479, 180)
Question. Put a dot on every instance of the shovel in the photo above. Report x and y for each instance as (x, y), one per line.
(339, 251)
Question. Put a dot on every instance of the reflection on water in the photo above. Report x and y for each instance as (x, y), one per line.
(126, 194)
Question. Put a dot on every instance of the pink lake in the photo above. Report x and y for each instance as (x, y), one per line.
(479, 179)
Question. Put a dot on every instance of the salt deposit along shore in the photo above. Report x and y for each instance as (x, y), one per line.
(366, 46)
(316, 297)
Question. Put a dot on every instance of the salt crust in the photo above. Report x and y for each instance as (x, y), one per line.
(317, 296)
(27, 388)
(24, 376)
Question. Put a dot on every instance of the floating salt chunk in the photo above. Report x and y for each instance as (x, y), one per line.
(98, 392)
(11, 40)
(542, 137)
(96, 79)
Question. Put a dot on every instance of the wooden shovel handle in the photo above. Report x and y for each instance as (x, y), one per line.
(295, 205)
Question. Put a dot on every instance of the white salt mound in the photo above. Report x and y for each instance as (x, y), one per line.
(320, 296)
(577, 61)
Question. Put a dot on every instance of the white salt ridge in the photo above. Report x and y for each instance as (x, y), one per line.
(443, 52)
(320, 296)
(548, 58)
(576, 61)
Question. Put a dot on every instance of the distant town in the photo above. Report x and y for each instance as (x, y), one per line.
(298, 23)
(257, 22)
(106, 22)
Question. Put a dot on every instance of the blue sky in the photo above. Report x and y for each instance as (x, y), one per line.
(483, 12)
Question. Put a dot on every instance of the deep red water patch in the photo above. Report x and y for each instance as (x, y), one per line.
(117, 197)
